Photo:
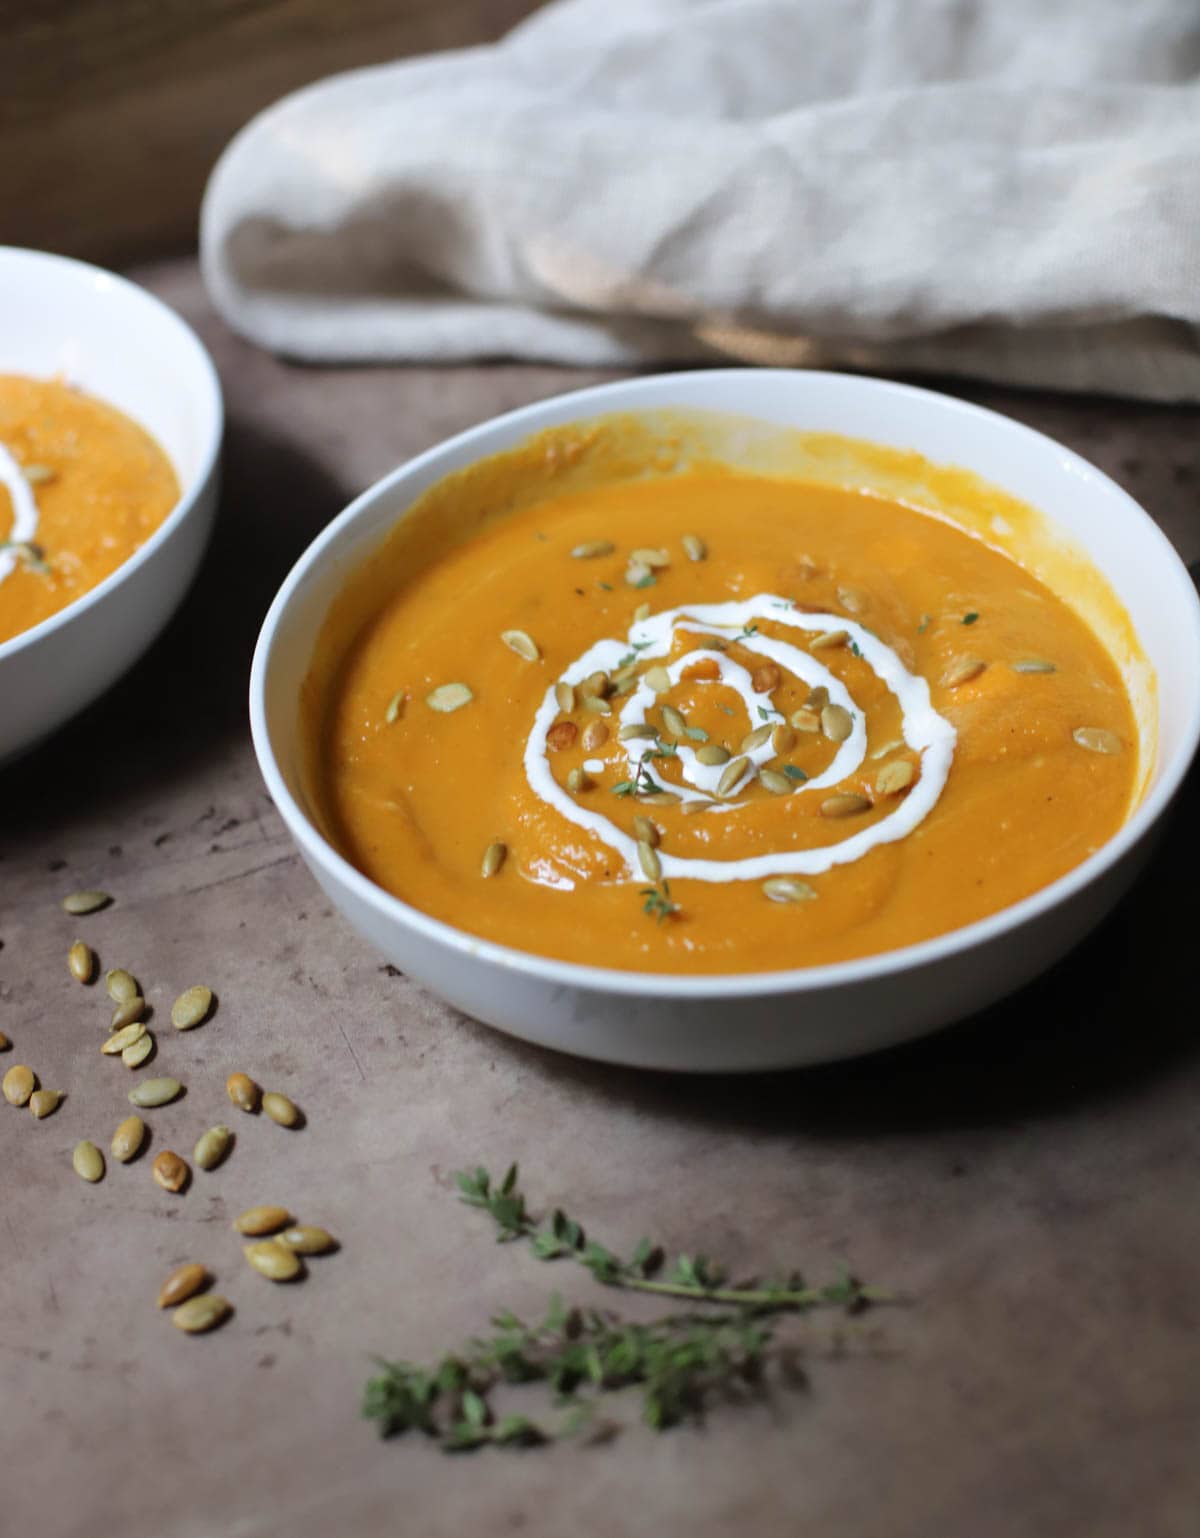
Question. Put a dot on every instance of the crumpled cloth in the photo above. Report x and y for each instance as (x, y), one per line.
(1008, 189)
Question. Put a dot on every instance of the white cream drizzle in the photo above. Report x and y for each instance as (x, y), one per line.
(928, 733)
(25, 513)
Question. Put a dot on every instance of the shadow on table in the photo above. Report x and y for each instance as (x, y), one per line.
(179, 705)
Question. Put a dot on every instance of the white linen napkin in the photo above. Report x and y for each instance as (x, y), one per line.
(1001, 188)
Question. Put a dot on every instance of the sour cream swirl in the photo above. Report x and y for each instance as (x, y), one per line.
(25, 513)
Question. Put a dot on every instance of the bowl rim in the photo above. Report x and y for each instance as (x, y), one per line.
(189, 494)
(682, 986)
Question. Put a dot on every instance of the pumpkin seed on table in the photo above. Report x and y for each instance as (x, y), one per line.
(733, 773)
(280, 1109)
(43, 1102)
(590, 549)
(243, 1091)
(184, 1282)
(18, 1084)
(712, 754)
(127, 1012)
(448, 697)
(128, 1139)
(893, 778)
(788, 889)
(836, 722)
(962, 670)
(521, 642)
(81, 962)
(694, 547)
(88, 1162)
(307, 1239)
(493, 858)
(121, 985)
(191, 1008)
(273, 1260)
(211, 1147)
(778, 784)
(847, 803)
(752, 740)
(564, 697)
(121, 1039)
(1096, 739)
(79, 903)
(170, 1171)
(4, 1042)
(136, 1054)
(201, 1313)
(154, 1092)
(264, 1219)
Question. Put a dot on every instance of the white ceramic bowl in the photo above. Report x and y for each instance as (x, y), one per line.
(775, 1019)
(116, 341)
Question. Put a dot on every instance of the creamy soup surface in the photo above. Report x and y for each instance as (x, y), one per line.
(82, 487)
(713, 721)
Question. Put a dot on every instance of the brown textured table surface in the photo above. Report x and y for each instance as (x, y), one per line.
(1030, 1179)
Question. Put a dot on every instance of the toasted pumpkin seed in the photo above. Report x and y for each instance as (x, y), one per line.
(184, 1282)
(756, 738)
(561, 735)
(564, 697)
(597, 706)
(805, 720)
(847, 803)
(778, 784)
(694, 547)
(829, 640)
(127, 1139)
(30, 555)
(885, 748)
(243, 1091)
(818, 698)
(1034, 665)
(695, 805)
(650, 557)
(733, 773)
(836, 722)
(395, 707)
(638, 574)
(657, 678)
(591, 548)
(493, 858)
(121, 985)
(200, 1314)
(81, 962)
(893, 778)
(783, 739)
(578, 780)
(448, 697)
(766, 678)
(191, 1008)
(123, 1038)
(211, 1147)
(595, 735)
(712, 754)
(44, 1101)
(788, 889)
(645, 831)
(4, 1042)
(88, 1161)
(1097, 740)
(660, 798)
(622, 675)
(638, 731)
(274, 1260)
(280, 1109)
(641, 613)
(135, 1055)
(170, 1171)
(307, 1239)
(264, 1219)
(85, 902)
(38, 475)
(521, 642)
(962, 670)
(674, 721)
(853, 599)
(18, 1084)
(153, 1092)
(127, 1012)
(649, 861)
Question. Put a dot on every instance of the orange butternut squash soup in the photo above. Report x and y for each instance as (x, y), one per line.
(81, 488)
(703, 719)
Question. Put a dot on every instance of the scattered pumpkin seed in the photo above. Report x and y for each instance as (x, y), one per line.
(4, 1042)
(170, 1171)
(135, 1055)
(280, 1109)
(127, 1139)
(307, 1239)
(85, 902)
(657, 678)
(184, 1282)
(191, 1008)
(493, 858)
(888, 747)
(624, 674)
(597, 706)
(712, 754)
(651, 557)
(638, 574)
(243, 1091)
(660, 798)
(733, 773)
(395, 707)
(962, 670)
(847, 803)
(154, 1092)
(805, 720)
(788, 889)
(561, 735)
(645, 831)
(766, 678)
(778, 784)
(1096, 739)
(448, 697)
(756, 738)
(262, 1220)
(674, 721)
(893, 778)
(595, 735)
(578, 780)
(44, 1101)
(829, 640)
(818, 698)
(591, 548)
(81, 962)
(200, 1314)
(637, 732)
(641, 613)
(211, 1147)
(1034, 665)
(121, 985)
(274, 1260)
(836, 722)
(521, 642)
(694, 547)
(18, 1084)
(38, 475)
(127, 1012)
(697, 804)
(88, 1161)
(649, 861)
(123, 1038)
(853, 599)
(564, 697)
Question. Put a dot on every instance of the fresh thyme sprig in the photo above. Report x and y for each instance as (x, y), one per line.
(658, 901)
